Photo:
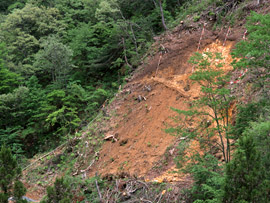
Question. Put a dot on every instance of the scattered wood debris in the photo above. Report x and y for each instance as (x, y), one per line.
(140, 98)
(111, 137)
(147, 88)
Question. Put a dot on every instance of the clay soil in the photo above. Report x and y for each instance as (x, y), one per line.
(139, 125)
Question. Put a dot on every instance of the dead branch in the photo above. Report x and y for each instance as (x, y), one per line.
(134, 38)
(148, 88)
(140, 98)
(44, 156)
(92, 162)
(125, 54)
(145, 200)
(160, 198)
(100, 196)
(111, 137)
(227, 34)
(158, 64)
(162, 15)
(203, 30)
(143, 183)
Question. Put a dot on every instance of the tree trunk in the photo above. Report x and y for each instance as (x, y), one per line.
(154, 2)
(162, 15)
(125, 54)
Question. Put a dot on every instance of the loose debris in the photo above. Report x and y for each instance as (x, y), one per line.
(111, 137)
(89, 167)
(136, 190)
(140, 98)
(148, 88)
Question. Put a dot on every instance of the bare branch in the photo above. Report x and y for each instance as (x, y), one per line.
(162, 15)
(100, 196)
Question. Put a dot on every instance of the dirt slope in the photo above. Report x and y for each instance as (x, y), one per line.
(139, 125)
(143, 148)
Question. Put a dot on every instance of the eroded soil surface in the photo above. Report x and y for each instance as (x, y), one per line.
(142, 111)
(145, 112)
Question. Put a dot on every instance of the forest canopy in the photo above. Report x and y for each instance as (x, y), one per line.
(60, 60)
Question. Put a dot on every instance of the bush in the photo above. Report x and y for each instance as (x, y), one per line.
(59, 193)
(207, 174)
(245, 175)
(260, 132)
(254, 52)
(9, 172)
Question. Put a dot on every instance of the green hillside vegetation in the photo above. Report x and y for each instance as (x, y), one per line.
(62, 60)
(242, 176)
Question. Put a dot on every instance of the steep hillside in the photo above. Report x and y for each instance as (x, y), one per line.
(139, 131)
(142, 111)
(128, 138)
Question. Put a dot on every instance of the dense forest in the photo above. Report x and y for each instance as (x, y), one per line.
(61, 61)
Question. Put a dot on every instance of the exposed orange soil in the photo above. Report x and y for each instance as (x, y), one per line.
(36, 191)
(140, 125)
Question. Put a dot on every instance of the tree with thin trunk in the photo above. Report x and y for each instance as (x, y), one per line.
(162, 15)
(209, 114)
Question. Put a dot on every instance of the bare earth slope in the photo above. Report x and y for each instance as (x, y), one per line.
(139, 125)
(141, 111)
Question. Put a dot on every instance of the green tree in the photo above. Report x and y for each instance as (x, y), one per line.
(260, 132)
(33, 133)
(8, 5)
(216, 96)
(254, 52)
(4, 4)
(60, 192)
(245, 175)
(9, 172)
(246, 114)
(61, 115)
(13, 118)
(21, 128)
(212, 107)
(54, 59)
(92, 51)
(8, 80)
(75, 12)
(208, 178)
(18, 191)
(22, 30)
